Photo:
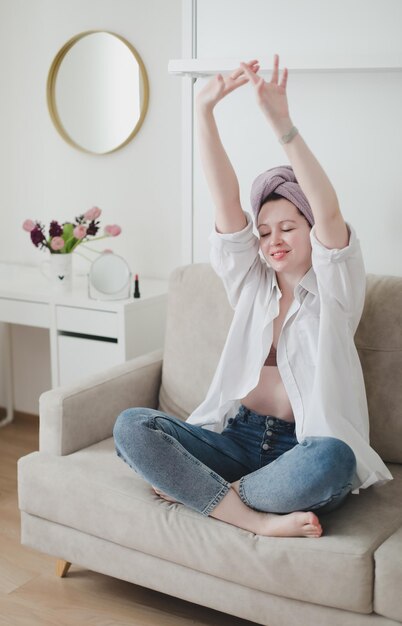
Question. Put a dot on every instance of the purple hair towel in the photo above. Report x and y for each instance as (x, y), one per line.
(282, 181)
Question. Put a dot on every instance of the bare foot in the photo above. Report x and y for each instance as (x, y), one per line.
(297, 524)
(163, 495)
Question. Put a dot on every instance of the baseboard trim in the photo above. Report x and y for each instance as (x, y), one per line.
(20, 415)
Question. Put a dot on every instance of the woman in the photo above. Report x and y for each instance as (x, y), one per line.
(283, 431)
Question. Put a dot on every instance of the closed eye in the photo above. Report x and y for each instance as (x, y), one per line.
(284, 230)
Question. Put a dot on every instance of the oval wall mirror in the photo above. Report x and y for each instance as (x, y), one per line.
(97, 91)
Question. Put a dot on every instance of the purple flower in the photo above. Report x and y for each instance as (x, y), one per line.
(55, 230)
(93, 228)
(37, 236)
(64, 237)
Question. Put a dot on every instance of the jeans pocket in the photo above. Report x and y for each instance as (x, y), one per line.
(232, 421)
(247, 436)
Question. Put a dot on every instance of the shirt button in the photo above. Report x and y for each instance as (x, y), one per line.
(269, 433)
(265, 446)
(230, 420)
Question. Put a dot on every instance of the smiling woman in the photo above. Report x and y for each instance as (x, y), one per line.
(284, 238)
(97, 92)
(275, 441)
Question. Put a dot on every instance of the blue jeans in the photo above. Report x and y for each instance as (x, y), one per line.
(196, 466)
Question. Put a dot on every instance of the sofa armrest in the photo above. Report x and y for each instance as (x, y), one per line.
(74, 417)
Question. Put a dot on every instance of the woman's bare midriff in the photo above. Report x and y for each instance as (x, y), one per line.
(269, 397)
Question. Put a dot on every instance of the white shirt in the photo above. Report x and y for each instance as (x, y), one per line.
(316, 354)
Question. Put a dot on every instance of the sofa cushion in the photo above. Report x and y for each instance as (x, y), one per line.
(113, 503)
(388, 577)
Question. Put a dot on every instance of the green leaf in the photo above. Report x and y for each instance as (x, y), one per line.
(67, 231)
(68, 237)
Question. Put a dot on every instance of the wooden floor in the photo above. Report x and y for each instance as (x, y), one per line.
(32, 595)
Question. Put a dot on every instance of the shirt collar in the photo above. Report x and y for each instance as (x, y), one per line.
(275, 287)
(308, 283)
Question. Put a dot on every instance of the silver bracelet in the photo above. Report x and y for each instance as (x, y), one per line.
(286, 138)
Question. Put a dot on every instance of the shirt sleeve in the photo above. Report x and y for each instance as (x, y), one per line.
(340, 272)
(233, 256)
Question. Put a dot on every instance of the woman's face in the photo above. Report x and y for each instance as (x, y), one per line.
(284, 237)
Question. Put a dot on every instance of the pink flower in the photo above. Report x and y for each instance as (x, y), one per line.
(28, 225)
(57, 243)
(80, 231)
(113, 230)
(92, 214)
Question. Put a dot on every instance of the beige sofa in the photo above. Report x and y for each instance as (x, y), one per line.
(82, 504)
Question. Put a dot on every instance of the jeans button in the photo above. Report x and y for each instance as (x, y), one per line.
(270, 422)
(269, 433)
(265, 446)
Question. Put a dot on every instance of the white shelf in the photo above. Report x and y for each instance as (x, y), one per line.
(198, 68)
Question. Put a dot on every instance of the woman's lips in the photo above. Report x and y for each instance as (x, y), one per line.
(279, 255)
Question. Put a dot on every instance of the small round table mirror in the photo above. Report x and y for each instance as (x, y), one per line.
(109, 276)
(97, 92)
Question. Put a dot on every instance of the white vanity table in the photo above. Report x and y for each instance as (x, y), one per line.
(86, 335)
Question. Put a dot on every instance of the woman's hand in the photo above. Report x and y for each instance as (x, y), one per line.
(220, 86)
(271, 96)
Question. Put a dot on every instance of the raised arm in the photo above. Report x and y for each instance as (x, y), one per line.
(219, 173)
(330, 227)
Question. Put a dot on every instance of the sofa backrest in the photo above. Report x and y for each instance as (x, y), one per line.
(379, 343)
(198, 320)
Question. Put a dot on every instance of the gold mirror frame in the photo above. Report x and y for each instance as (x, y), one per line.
(51, 90)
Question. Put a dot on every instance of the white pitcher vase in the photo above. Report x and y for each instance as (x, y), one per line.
(59, 271)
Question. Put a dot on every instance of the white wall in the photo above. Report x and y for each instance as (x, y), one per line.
(350, 120)
(42, 177)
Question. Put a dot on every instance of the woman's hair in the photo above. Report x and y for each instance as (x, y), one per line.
(272, 196)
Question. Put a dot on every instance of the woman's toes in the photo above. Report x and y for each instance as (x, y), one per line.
(312, 530)
(313, 519)
(162, 495)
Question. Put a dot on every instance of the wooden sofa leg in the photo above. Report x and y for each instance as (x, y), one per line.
(62, 568)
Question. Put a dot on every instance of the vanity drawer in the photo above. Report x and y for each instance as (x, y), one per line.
(87, 321)
(24, 312)
(80, 358)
